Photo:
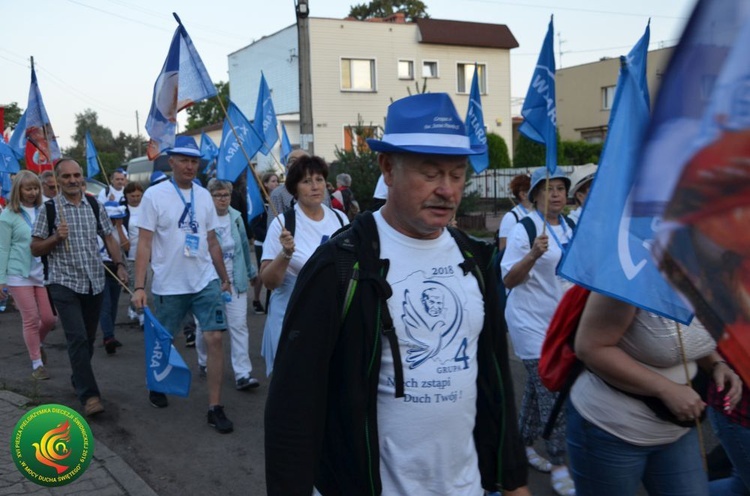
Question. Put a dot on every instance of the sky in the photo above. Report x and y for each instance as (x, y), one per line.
(105, 55)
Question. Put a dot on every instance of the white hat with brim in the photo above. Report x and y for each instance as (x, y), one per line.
(581, 175)
(185, 145)
(426, 124)
(540, 174)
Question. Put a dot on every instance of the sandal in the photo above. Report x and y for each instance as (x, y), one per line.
(562, 483)
(537, 461)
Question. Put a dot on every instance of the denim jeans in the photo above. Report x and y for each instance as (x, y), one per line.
(110, 299)
(79, 316)
(603, 464)
(736, 442)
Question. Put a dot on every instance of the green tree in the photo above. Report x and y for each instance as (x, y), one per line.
(579, 152)
(12, 114)
(360, 162)
(498, 151)
(208, 112)
(414, 9)
(528, 153)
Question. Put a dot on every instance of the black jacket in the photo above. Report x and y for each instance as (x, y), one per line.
(321, 420)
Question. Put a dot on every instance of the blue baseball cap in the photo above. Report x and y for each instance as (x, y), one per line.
(185, 145)
(425, 123)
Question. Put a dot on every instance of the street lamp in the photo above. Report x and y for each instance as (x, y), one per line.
(306, 138)
(302, 8)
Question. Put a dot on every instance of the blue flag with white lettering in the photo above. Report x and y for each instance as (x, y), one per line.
(232, 160)
(92, 164)
(166, 371)
(609, 252)
(540, 107)
(475, 125)
(209, 150)
(286, 146)
(265, 117)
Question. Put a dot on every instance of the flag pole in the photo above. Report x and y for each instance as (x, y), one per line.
(104, 171)
(261, 186)
(546, 203)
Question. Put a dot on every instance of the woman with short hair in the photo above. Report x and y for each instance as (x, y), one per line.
(285, 253)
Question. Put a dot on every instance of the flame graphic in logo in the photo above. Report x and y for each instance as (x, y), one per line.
(53, 447)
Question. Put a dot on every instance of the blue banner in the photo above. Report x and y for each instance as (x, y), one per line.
(255, 204)
(183, 80)
(475, 125)
(232, 160)
(5, 185)
(540, 107)
(92, 164)
(609, 252)
(209, 150)
(166, 371)
(265, 117)
(17, 141)
(8, 161)
(286, 146)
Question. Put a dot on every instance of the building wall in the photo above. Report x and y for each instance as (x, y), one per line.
(580, 109)
(334, 109)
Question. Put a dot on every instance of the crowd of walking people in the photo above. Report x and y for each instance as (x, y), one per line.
(387, 339)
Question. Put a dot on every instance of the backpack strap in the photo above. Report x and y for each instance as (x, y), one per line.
(515, 216)
(95, 207)
(528, 224)
(470, 262)
(49, 206)
(571, 223)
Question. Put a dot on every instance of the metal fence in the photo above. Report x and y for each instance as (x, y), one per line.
(495, 183)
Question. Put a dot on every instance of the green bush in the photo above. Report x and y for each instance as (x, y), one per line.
(498, 151)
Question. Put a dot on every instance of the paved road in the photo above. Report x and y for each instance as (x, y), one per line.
(173, 450)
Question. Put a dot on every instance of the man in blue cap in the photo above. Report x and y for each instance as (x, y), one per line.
(392, 373)
(177, 234)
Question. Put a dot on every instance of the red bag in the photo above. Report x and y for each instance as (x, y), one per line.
(558, 357)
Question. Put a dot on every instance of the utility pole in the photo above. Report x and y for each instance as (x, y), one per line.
(560, 52)
(302, 9)
(138, 133)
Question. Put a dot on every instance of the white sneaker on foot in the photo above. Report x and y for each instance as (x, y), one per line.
(562, 483)
(538, 461)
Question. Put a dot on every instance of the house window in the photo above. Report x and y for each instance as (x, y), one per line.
(429, 69)
(608, 97)
(358, 74)
(355, 137)
(466, 73)
(406, 69)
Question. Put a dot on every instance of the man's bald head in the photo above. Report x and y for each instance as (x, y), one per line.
(294, 155)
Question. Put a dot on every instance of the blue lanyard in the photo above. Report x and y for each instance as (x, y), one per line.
(552, 232)
(192, 200)
(27, 218)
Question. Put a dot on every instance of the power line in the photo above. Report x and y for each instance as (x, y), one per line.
(574, 9)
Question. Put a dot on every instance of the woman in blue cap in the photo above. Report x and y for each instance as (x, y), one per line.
(534, 249)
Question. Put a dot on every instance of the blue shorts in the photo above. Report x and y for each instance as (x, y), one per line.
(206, 305)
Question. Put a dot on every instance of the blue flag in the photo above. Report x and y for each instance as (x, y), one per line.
(698, 149)
(5, 185)
(265, 117)
(166, 371)
(183, 81)
(286, 146)
(540, 107)
(209, 150)
(232, 161)
(255, 204)
(92, 164)
(609, 252)
(17, 141)
(8, 161)
(475, 125)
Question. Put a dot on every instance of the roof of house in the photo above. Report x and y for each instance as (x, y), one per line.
(460, 33)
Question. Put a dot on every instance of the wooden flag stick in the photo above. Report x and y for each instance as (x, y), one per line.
(546, 202)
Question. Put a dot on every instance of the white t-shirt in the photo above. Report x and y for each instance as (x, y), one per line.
(103, 197)
(226, 241)
(135, 212)
(36, 270)
(308, 235)
(575, 215)
(510, 220)
(426, 440)
(532, 303)
(163, 212)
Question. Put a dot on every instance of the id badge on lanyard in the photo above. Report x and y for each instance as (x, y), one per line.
(192, 241)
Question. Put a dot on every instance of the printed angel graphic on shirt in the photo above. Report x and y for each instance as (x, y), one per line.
(432, 315)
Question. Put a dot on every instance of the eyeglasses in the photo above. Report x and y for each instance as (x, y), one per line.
(221, 196)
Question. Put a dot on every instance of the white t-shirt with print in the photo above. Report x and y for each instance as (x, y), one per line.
(532, 303)
(308, 235)
(426, 440)
(164, 213)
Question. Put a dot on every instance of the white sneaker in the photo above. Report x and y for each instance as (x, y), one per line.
(537, 461)
(562, 483)
(132, 314)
